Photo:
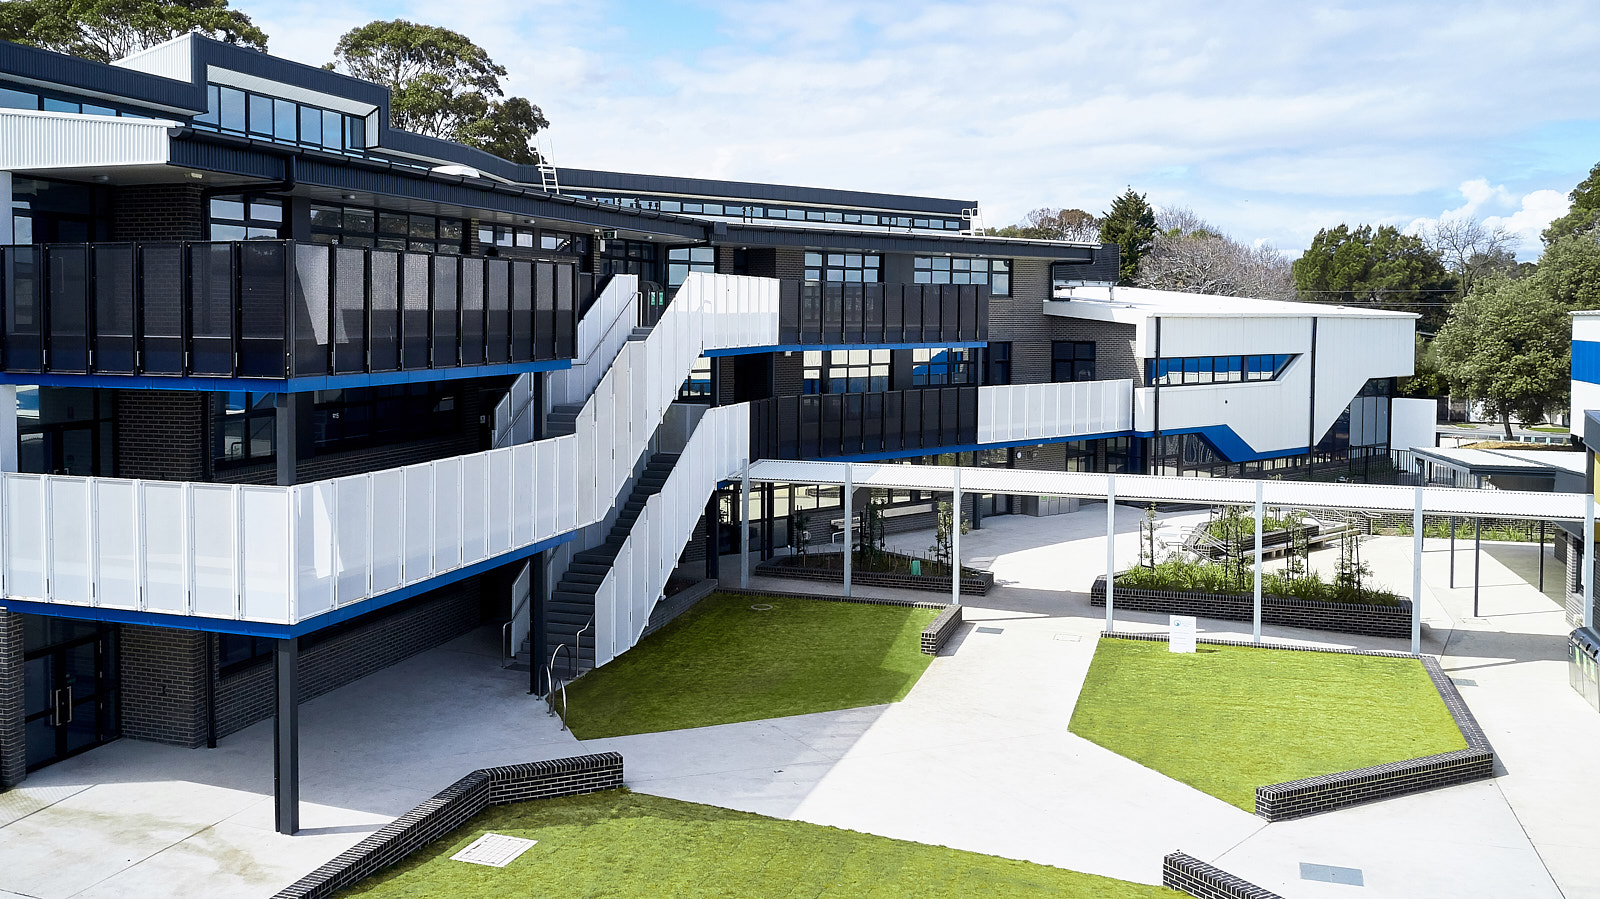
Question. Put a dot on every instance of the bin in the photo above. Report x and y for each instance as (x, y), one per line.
(1583, 664)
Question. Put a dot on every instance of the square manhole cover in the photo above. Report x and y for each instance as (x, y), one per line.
(1331, 874)
(991, 630)
(1463, 682)
(494, 849)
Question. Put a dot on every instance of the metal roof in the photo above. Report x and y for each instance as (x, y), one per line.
(592, 179)
(1149, 488)
(1131, 304)
(1505, 461)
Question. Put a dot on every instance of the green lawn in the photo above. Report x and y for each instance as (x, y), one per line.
(723, 662)
(628, 844)
(1228, 719)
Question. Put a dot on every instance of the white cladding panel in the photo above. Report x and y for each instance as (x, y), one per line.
(1585, 396)
(1586, 327)
(1217, 335)
(60, 140)
(172, 59)
(1413, 423)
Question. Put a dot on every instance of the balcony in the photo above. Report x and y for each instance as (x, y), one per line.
(821, 426)
(271, 309)
(823, 314)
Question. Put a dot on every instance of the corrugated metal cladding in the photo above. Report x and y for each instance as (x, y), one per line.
(173, 59)
(887, 242)
(74, 74)
(744, 190)
(32, 140)
(1150, 488)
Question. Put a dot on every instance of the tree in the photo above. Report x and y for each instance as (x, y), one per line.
(108, 30)
(1378, 267)
(1508, 345)
(1584, 216)
(1427, 380)
(1569, 271)
(1131, 225)
(441, 84)
(1054, 224)
(1192, 255)
(1469, 250)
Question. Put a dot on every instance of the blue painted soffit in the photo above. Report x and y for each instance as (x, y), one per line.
(280, 385)
(1229, 445)
(280, 631)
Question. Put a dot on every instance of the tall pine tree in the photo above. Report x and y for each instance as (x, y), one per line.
(1131, 225)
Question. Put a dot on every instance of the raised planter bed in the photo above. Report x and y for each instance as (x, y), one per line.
(1270, 540)
(974, 582)
(1344, 618)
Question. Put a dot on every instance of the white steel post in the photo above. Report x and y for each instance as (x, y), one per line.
(1416, 576)
(744, 526)
(955, 541)
(1588, 561)
(1111, 551)
(849, 523)
(1255, 627)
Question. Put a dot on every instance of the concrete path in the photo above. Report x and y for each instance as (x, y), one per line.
(977, 756)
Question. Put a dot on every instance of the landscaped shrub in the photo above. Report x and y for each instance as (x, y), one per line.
(1210, 577)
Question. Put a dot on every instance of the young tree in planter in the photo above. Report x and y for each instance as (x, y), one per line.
(871, 536)
(944, 532)
(797, 533)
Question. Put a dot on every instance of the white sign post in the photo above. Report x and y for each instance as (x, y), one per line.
(1183, 634)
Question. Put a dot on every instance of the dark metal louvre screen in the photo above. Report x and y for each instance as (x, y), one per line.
(497, 311)
(383, 338)
(472, 348)
(446, 306)
(566, 345)
(312, 264)
(522, 316)
(114, 349)
(414, 311)
(69, 308)
(161, 280)
(544, 311)
(349, 310)
(263, 287)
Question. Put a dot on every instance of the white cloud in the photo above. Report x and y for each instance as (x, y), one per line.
(1528, 215)
(1539, 209)
(1303, 119)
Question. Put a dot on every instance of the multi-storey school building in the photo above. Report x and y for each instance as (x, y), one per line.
(287, 394)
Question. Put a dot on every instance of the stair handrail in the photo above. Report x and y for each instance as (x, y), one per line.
(507, 657)
(577, 640)
(553, 686)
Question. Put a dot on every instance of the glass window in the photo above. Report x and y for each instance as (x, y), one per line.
(1215, 369)
(310, 125)
(260, 114)
(998, 370)
(995, 273)
(355, 132)
(15, 99)
(1072, 360)
(284, 121)
(51, 104)
(332, 130)
(845, 371)
(698, 385)
(233, 109)
(941, 367)
(843, 267)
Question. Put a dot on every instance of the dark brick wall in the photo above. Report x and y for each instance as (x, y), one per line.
(162, 672)
(940, 630)
(159, 212)
(13, 746)
(455, 806)
(974, 582)
(1190, 875)
(161, 434)
(1020, 319)
(246, 697)
(1345, 618)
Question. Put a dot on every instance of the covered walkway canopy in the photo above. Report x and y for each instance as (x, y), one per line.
(1219, 491)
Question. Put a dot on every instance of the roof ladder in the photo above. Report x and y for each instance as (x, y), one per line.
(547, 166)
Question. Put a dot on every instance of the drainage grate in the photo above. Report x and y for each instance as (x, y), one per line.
(1463, 682)
(494, 849)
(1331, 874)
(991, 630)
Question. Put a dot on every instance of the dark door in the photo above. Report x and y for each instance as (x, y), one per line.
(70, 696)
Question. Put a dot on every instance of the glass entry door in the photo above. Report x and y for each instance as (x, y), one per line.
(70, 695)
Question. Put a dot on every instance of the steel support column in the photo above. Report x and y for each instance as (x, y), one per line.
(1588, 561)
(1477, 561)
(1111, 551)
(1416, 575)
(1255, 626)
(849, 522)
(744, 527)
(286, 736)
(955, 542)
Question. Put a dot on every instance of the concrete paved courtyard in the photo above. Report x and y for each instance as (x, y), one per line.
(977, 756)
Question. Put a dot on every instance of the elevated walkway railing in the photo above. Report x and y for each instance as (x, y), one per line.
(1010, 413)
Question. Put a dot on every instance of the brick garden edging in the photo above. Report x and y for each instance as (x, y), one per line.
(1341, 617)
(454, 806)
(974, 581)
(1187, 874)
(934, 636)
(1341, 789)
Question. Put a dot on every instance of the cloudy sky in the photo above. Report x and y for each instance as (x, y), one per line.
(1270, 119)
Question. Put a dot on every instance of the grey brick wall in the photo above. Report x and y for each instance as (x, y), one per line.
(159, 212)
(245, 697)
(1345, 618)
(1190, 875)
(455, 806)
(13, 746)
(162, 672)
(161, 434)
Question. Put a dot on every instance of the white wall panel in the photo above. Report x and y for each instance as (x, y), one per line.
(353, 530)
(215, 579)
(499, 485)
(446, 515)
(116, 541)
(474, 508)
(71, 530)
(388, 528)
(314, 547)
(264, 529)
(419, 522)
(166, 545)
